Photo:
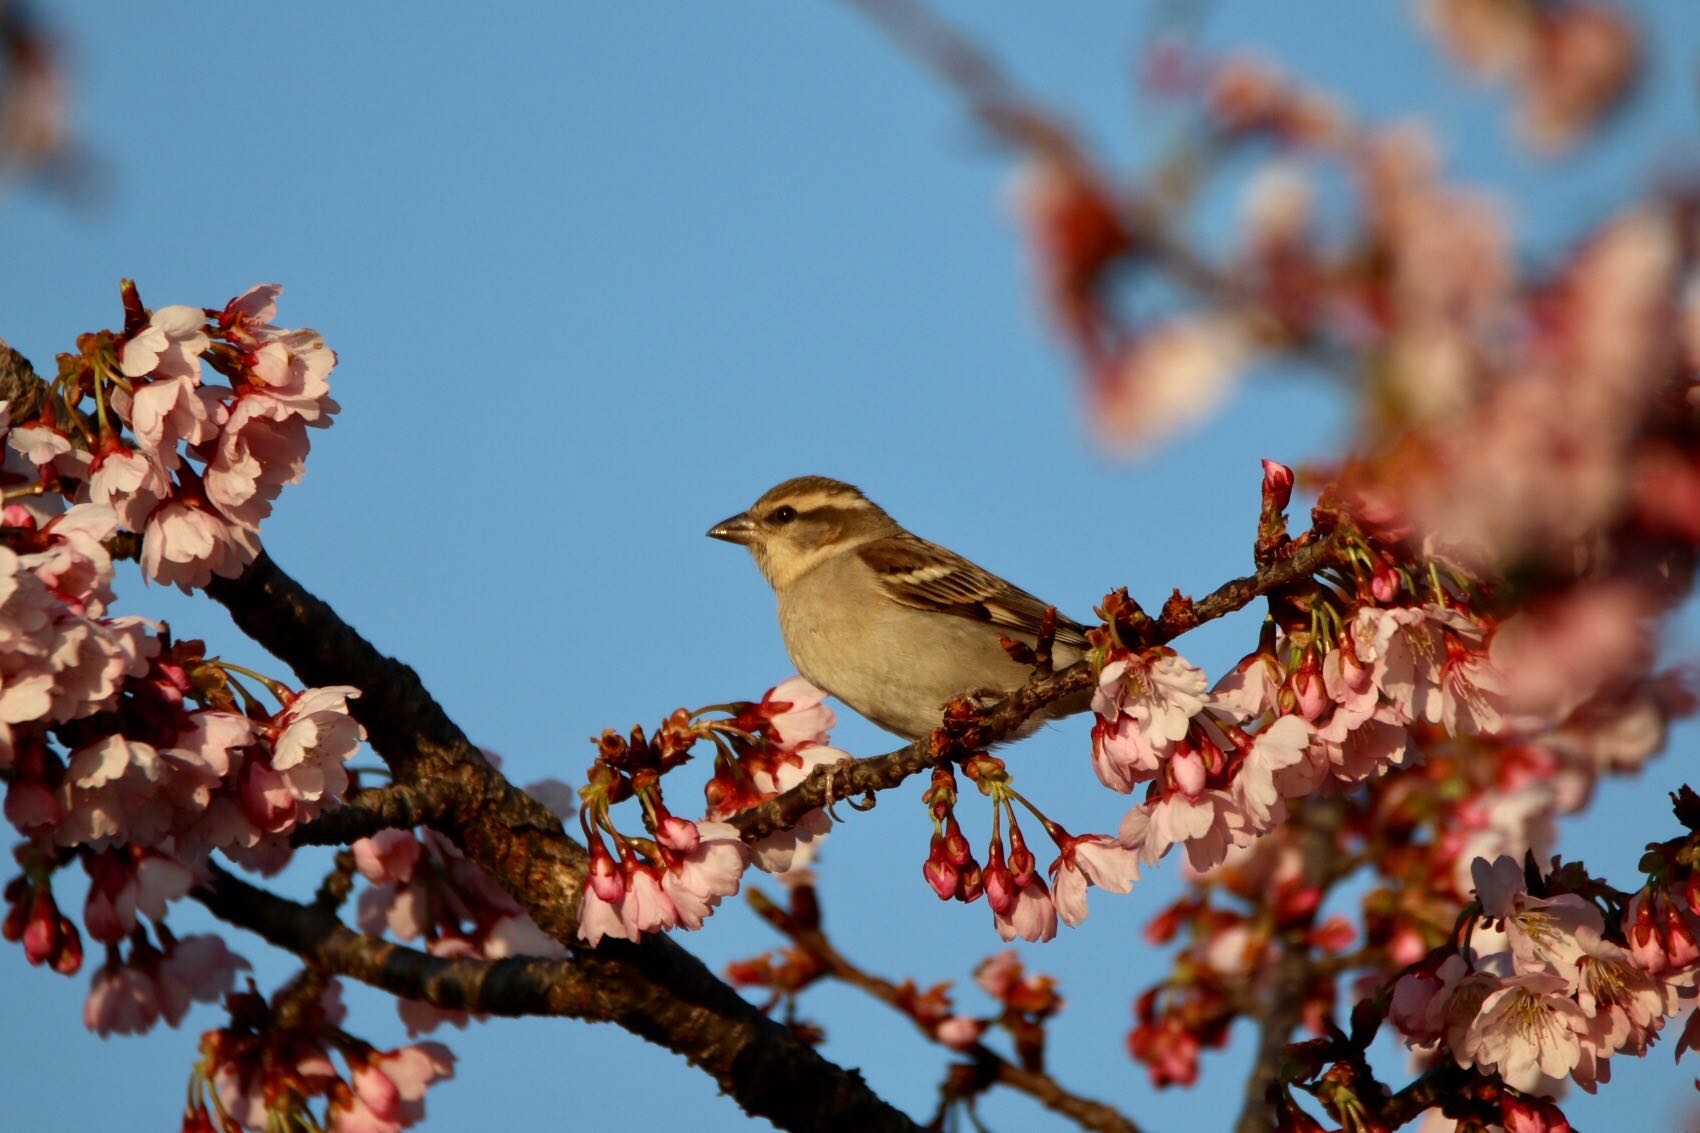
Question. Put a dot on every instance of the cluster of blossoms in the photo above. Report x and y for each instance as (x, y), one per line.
(677, 876)
(1542, 989)
(249, 437)
(121, 748)
(421, 887)
(273, 1063)
(1569, 63)
(1022, 902)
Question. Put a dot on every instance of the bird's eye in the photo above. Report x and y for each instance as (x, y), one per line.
(784, 514)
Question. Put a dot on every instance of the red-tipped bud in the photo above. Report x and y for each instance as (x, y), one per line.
(41, 931)
(756, 972)
(942, 876)
(970, 883)
(678, 834)
(605, 876)
(1309, 693)
(1277, 486)
(1023, 866)
(956, 850)
(1531, 1115)
(1000, 888)
(1384, 583)
(70, 958)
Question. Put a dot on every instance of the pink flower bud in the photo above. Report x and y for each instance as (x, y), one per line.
(956, 849)
(1000, 888)
(41, 931)
(942, 876)
(678, 834)
(1691, 893)
(970, 883)
(1384, 583)
(1277, 486)
(1187, 769)
(1023, 867)
(959, 1032)
(605, 876)
(1310, 693)
(1531, 1115)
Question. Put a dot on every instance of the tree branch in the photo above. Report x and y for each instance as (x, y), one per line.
(1281, 1004)
(360, 814)
(655, 988)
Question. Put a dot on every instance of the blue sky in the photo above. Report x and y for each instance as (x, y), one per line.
(598, 275)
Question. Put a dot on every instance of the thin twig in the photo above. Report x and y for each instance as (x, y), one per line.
(1043, 1088)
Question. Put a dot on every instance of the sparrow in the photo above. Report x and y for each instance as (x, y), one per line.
(892, 625)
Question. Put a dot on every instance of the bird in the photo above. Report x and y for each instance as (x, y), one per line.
(892, 625)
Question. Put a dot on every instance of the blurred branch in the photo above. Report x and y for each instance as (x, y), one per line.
(1043, 1088)
(1280, 1007)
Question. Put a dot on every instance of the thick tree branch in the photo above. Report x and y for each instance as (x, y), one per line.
(655, 989)
(518, 986)
(829, 784)
(360, 814)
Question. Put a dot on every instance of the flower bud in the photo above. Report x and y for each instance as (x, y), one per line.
(942, 876)
(70, 957)
(1000, 888)
(678, 834)
(605, 876)
(41, 930)
(1277, 486)
(970, 883)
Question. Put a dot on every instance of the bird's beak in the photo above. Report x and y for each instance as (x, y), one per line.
(739, 529)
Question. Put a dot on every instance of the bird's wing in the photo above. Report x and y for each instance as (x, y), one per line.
(929, 577)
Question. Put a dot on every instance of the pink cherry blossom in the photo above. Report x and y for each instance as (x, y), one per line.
(1159, 690)
(186, 544)
(169, 346)
(387, 857)
(1032, 917)
(1090, 860)
(696, 881)
(261, 448)
(1121, 754)
(175, 411)
(1273, 750)
(122, 1001)
(804, 720)
(126, 481)
(598, 918)
(1529, 1023)
(646, 907)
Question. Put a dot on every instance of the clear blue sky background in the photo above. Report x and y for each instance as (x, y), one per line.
(599, 274)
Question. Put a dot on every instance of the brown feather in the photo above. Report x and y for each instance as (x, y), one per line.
(926, 576)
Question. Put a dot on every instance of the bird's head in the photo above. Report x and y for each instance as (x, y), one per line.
(798, 524)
